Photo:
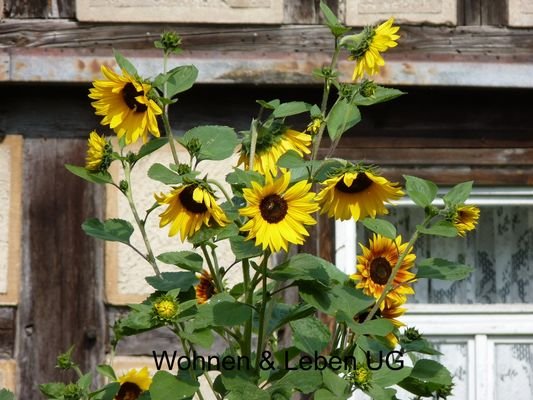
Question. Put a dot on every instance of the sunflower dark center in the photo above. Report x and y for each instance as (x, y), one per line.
(129, 93)
(380, 270)
(188, 202)
(273, 208)
(128, 391)
(359, 184)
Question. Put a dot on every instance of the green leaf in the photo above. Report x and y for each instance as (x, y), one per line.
(307, 267)
(323, 394)
(6, 395)
(53, 390)
(431, 371)
(85, 381)
(458, 194)
(159, 172)
(304, 381)
(437, 268)
(336, 28)
(420, 346)
(385, 377)
(382, 95)
(244, 248)
(310, 335)
(421, 191)
(180, 79)
(217, 142)
(107, 371)
(337, 298)
(342, 117)
(270, 105)
(113, 230)
(441, 228)
(380, 226)
(378, 327)
(188, 260)
(231, 313)
(93, 177)
(108, 392)
(166, 386)
(151, 146)
(202, 337)
(291, 108)
(291, 159)
(335, 383)
(172, 280)
(124, 63)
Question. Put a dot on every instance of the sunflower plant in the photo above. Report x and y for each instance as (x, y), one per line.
(277, 189)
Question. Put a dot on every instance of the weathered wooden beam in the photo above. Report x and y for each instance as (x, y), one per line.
(61, 304)
(7, 332)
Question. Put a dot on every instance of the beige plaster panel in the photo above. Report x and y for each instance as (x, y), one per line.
(520, 12)
(123, 364)
(216, 11)
(7, 374)
(125, 269)
(10, 217)
(370, 12)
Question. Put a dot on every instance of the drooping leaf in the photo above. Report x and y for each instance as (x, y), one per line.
(380, 226)
(93, 177)
(421, 191)
(437, 268)
(113, 230)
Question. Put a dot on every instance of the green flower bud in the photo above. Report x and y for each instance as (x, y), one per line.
(72, 392)
(183, 169)
(368, 88)
(170, 42)
(412, 334)
(123, 185)
(166, 308)
(64, 360)
(444, 391)
(193, 147)
(361, 377)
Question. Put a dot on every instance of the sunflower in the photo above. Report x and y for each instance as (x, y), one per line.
(266, 157)
(278, 213)
(465, 218)
(189, 207)
(166, 308)
(133, 383)
(98, 153)
(205, 288)
(124, 103)
(369, 44)
(356, 195)
(375, 266)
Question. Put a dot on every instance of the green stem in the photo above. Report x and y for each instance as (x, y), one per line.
(221, 188)
(166, 122)
(324, 104)
(262, 311)
(248, 293)
(138, 221)
(212, 269)
(253, 144)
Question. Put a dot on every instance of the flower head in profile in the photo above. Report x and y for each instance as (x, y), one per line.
(465, 218)
(124, 103)
(166, 308)
(375, 267)
(367, 46)
(98, 153)
(356, 194)
(205, 288)
(133, 383)
(272, 147)
(278, 213)
(189, 207)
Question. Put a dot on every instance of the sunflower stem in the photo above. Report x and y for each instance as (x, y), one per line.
(249, 293)
(221, 188)
(212, 269)
(390, 282)
(166, 122)
(140, 224)
(253, 144)
(324, 104)
(262, 311)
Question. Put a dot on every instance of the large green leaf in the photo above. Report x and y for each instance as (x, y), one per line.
(458, 194)
(222, 310)
(124, 63)
(243, 248)
(381, 95)
(188, 260)
(113, 230)
(158, 172)
(181, 79)
(151, 146)
(337, 298)
(431, 371)
(217, 142)
(291, 108)
(310, 335)
(421, 191)
(342, 117)
(6, 395)
(306, 267)
(93, 177)
(380, 226)
(166, 386)
(172, 280)
(437, 268)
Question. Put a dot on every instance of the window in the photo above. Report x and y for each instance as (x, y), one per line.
(484, 324)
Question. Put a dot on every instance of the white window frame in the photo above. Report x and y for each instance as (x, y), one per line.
(482, 326)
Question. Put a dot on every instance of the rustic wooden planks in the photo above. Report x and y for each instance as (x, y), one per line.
(61, 303)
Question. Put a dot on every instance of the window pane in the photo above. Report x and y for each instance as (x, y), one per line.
(513, 366)
(500, 249)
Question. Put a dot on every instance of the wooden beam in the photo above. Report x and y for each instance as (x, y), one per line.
(7, 332)
(61, 304)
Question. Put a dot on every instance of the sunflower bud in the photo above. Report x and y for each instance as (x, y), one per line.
(193, 147)
(64, 360)
(183, 169)
(170, 42)
(166, 308)
(72, 392)
(361, 377)
(314, 126)
(368, 88)
(123, 185)
(412, 334)
(444, 391)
